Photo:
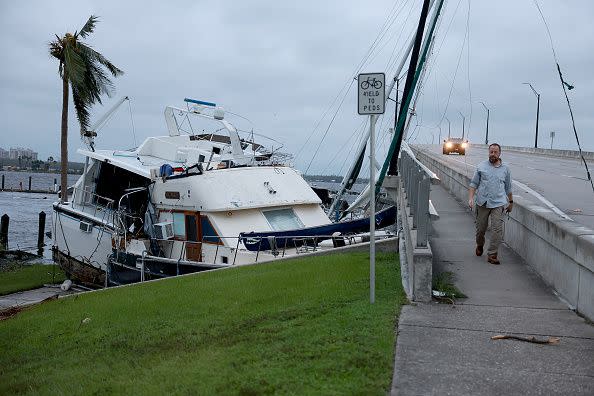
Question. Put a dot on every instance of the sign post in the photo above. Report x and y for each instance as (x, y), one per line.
(372, 99)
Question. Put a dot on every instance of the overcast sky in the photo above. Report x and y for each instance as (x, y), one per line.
(282, 64)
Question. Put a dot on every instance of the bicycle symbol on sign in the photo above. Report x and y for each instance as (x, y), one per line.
(371, 82)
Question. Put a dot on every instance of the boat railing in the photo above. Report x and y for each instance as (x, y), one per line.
(84, 198)
(268, 247)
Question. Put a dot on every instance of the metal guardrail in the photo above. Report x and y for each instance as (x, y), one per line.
(417, 180)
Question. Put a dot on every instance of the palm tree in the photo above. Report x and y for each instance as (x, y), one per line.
(83, 68)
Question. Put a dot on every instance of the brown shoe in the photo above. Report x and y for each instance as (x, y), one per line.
(493, 260)
(479, 250)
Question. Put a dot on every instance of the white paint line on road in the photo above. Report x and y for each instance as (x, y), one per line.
(542, 199)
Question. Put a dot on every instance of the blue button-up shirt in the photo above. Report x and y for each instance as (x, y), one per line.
(492, 184)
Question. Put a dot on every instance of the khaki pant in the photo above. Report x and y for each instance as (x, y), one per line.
(482, 221)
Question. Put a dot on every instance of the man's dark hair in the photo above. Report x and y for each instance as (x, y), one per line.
(496, 144)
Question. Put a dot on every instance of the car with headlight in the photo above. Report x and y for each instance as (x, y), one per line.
(455, 145)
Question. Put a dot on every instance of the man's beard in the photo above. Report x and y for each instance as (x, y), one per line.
(493, 159)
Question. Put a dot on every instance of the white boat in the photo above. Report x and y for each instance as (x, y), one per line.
(178, 203)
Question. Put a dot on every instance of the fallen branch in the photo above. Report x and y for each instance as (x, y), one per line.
(550, 340)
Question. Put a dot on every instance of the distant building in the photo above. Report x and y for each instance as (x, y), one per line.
(3, 153)
(17, 152)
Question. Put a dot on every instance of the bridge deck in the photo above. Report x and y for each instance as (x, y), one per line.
(445, 349)
(562, 181)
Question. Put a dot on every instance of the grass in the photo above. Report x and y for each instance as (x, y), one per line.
(296, 327)
(444, 282)
(16, 277)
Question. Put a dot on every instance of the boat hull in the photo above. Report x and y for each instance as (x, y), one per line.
(126, 268)
(77, 270)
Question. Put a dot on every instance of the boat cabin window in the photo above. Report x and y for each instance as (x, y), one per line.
(179, 225)
(282, 219)
(209, 235)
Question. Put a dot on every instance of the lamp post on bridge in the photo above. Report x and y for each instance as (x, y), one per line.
(487, 132)
(449, 127)
(537, 112)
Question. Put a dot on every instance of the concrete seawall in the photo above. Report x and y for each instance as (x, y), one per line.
(560, 251)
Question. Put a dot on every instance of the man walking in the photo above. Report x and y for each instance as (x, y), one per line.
(492, 184)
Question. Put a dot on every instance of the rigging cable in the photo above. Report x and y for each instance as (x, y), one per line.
(392, 15)
(453, 79)
(565, 87)
(348, 83)
(468, 77)
(457, 64)
(468, 68)
(328, 129)
(359, 131)
(132, 121)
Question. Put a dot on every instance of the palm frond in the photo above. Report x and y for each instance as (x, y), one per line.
(82, 108)
(96, 56)
(89, 26)
(86, 70)
(56, 48)
(74, 65)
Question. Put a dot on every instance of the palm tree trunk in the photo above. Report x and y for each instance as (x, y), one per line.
(64, 142)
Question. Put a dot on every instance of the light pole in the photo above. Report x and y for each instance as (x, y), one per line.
(487, 132)
(439, 139)
(463, 122)
(537, 112)
(449, 127)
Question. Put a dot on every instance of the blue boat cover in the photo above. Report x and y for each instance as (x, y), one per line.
(258, 241)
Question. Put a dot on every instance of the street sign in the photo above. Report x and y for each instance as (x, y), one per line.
(372, 101)
(372, 93)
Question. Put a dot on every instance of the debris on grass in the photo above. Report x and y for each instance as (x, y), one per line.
(444, 288)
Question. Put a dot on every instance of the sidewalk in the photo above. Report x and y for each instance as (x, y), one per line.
(29, 297)
(447, 350)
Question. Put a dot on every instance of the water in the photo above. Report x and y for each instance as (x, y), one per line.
(39, 181)
(23, 208)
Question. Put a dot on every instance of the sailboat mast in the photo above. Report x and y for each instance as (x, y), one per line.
(398, 134)
(414, 58)
(356, 167)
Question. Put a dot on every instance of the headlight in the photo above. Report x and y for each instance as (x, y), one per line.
(449, 144)
(464, 145)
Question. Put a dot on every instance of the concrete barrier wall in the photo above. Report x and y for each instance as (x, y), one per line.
(560, 250)
(588, 155)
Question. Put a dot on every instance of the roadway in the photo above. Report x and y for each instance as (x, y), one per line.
(561, 182)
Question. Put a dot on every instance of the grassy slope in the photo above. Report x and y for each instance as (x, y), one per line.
(28, 277)
(298, 327)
